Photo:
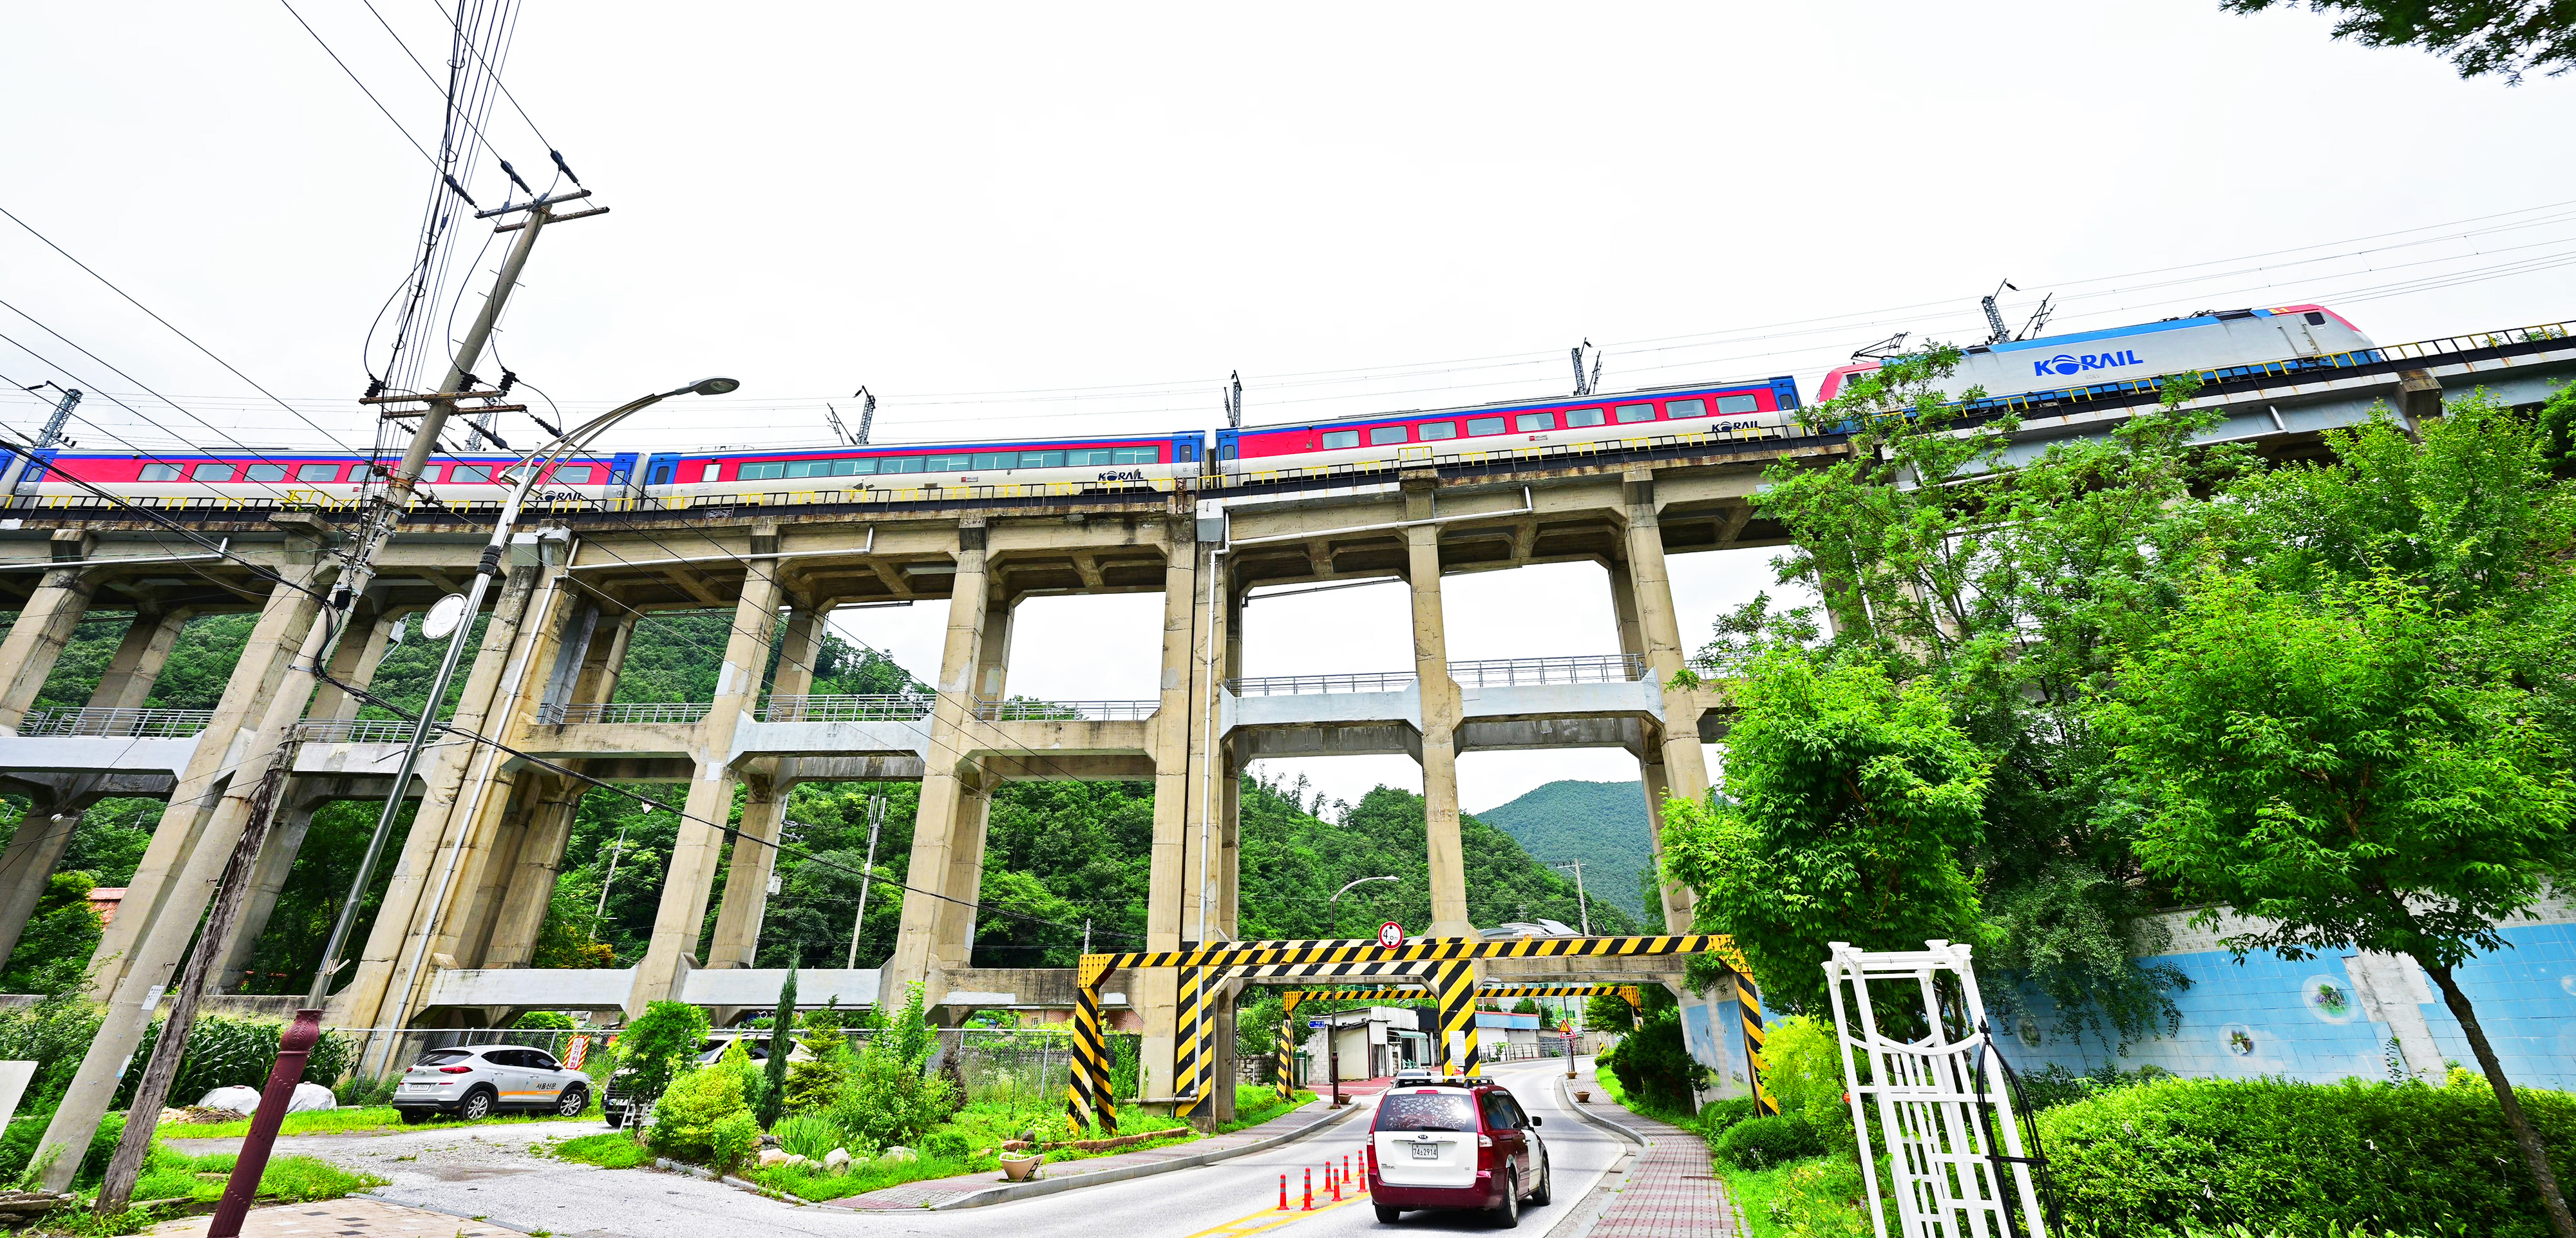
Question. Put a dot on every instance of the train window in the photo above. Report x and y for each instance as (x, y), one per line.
(317, 472)
(1041, 459)
(1137, 455)
(266, 472)
(211, 472)
(1640, 412)
(949, 464)
(762, 471)
(465, 474)
(1484, 425)
(1091, 457)
(1379, 436)
(1674, 409)
(160, 472)
(1580, 417)
(857, 466)
(1431, 431)
(899, 464)
(996, 460)
(2316, 319)
(1534, 421)
(1730, 405)
(1342, 438)
(573, 474)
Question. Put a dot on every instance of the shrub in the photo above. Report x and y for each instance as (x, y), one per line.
(657, 1044)
(1823, 1198)
(19, 1144)
(1718, 1117)
(1760, 1143)
(890, 1098)
(807, 1135)
(54, 1034)
(686, 1120)
(1655, 1071)
(732, 1140)
(545, 1020)
(2146, 1160)
(817, 1082)
(1804, 1068)
(946, 1145)
(360, 1091)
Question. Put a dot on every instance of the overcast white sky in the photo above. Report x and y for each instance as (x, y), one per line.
(1022, 219)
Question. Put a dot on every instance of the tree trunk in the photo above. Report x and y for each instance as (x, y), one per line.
(2534, 1156)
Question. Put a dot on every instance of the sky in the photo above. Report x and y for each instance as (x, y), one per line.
(1039, 220)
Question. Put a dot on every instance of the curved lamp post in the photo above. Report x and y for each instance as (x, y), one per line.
(524, 477)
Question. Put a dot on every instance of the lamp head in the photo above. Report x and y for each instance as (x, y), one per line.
(713, 386)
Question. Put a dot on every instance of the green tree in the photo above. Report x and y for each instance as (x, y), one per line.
(2511, 37)
(53, 950)
(1850, 804)
(782, 1041)
(2353, 772)
(655, 1047)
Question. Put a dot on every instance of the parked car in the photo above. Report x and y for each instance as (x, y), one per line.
(615, 1102)
(1457, 1144)
(477, 1081)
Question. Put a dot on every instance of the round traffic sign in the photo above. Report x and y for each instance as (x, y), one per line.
(1390, 934)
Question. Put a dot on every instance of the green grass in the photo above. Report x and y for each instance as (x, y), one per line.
(171, 1174)
(1755, 1190)
(608, 1150)
(339, 1122)
(1254, 1105)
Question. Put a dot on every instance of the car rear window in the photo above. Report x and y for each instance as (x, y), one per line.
(442, 1057)
(1426, 1111)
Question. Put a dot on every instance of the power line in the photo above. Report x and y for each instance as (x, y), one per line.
(362, 87)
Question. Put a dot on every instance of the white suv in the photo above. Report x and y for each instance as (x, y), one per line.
(477, 1081)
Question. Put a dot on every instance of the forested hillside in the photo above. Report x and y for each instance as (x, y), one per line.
(1058, 855)
(1603, 824)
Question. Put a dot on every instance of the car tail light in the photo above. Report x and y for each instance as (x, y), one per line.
(456, 1070)
(1371, 1153)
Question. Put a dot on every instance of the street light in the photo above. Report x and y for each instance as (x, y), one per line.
(1337, 894)
(524, 477)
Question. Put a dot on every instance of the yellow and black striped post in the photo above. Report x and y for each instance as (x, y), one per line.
(1749, 1001)
(1190, 1043)
(1455, 983)
(1092, 1096)
(1287, 1053)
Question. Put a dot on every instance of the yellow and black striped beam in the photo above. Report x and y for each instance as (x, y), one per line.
(1437, 949)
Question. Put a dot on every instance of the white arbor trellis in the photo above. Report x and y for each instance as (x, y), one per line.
(1946, 1112)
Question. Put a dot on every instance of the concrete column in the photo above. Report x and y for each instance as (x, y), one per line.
(949, 782)
(606, 659)
(28, 865)
(533, 872)
(690, 879)
(1441, 709)
(36, 640)
(764, 810)
(1184, 717)
(355, 661)
(1685, 767)
(139, 659)
(180, 838)
(293, 817)
(461, 786)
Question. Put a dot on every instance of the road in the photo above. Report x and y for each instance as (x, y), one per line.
(485, 1172)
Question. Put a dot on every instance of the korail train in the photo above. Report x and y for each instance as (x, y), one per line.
(2018, 372)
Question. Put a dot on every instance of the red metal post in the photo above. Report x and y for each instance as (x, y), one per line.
(292, 1052)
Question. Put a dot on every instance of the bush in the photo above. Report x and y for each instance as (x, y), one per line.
(946, 1145)
(2148, 1159)
(686, 1121)
(1655, 1071)
(360, 1092)
(817, 1083)
(732, 1140)
(807, 1135)
(1760, 1143)
(545, 1020)
(1823, 1198)
(1804, 1068)
(54, 1034)
(890, 1098)
(1718, 1117)
(657, 1044)
(19, 1144)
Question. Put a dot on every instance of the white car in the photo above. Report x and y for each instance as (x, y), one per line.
(477, 1081)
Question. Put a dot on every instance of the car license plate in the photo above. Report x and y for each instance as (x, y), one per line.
(1426, 1151)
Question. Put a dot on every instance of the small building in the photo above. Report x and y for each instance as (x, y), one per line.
(1369, 1043)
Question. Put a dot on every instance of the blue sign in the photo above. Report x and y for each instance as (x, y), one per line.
(1319, 1022)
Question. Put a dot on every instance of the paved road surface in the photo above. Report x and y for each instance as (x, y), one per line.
(485, 1172)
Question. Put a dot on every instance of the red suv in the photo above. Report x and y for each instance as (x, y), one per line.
(1459, 1144)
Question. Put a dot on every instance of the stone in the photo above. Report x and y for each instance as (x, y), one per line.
(245, 1100)
(772, 1157)
(899, 1154)
(836, 1159)
(310, 1098)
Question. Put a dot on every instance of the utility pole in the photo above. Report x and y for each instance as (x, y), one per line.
(157, 950)
(868, 873)
(601, 912)
(1580, 901)
(53, 433)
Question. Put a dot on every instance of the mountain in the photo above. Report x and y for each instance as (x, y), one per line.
(1602, 824)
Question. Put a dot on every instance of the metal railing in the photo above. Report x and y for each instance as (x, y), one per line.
(1515, 672)
(357, 731)
(117, 723)
(685, 713)
(1489, 673)
(1298, 685)
(1066, 711)
(890, 707)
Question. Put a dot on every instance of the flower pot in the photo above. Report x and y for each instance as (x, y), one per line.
(1020, 1167)
(1583, 1098)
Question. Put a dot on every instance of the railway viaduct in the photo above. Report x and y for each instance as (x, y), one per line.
(472, 879)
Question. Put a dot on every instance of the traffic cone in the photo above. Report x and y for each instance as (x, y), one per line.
(1283, 1192)
(1310, 1190)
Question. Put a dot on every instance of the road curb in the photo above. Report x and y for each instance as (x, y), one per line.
(1009, 1192)
(1580, 1218)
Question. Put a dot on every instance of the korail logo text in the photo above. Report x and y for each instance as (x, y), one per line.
(2073, 363)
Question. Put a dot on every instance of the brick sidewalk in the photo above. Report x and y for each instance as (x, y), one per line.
(931, 1193)
(353, 1217)
(1671, 1190)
